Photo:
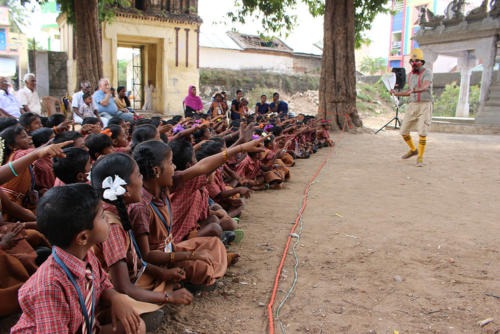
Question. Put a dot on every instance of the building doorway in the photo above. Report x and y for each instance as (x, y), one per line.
(131, 73)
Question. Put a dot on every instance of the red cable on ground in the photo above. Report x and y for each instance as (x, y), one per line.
(302, 209)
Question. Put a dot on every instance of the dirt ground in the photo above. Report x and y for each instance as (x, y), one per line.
(385, 245)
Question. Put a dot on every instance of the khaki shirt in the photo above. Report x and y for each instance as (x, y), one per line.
(416, 81)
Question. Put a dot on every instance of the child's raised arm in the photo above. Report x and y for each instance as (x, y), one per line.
(14, 168)
(207, 165)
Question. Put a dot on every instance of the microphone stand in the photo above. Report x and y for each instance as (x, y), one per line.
(397, 121)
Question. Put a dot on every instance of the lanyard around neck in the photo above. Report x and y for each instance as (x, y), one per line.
(88, 321)
(164, 221)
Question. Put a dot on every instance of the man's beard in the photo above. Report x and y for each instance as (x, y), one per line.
(414, 68)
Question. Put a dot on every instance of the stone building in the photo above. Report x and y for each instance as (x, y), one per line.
(167, 34)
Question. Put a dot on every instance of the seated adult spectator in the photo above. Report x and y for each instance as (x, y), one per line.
(235, 105)
(9, 105)
(218, 107)
(279, 106)
(122, 101)
(77, 100)
(192, 103)
(106, 105)
(262, 107)
(28, 96)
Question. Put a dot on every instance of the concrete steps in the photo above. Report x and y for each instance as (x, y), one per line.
(490, 115)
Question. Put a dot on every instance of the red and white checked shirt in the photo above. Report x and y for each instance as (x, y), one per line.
(189, 205)
(44, 175)
(217, 185)
(249, 168)
(118, 246)
(50, 302)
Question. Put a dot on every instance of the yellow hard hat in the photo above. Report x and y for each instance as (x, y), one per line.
(417, 54)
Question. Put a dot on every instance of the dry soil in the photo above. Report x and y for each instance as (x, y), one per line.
(385, 245)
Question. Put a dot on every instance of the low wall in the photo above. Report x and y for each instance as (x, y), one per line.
(51, 72)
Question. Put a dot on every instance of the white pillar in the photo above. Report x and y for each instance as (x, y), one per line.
(465, 64)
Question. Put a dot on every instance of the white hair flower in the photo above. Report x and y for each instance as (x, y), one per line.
(113, 187)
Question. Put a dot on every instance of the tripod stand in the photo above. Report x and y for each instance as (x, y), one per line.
(397, 121)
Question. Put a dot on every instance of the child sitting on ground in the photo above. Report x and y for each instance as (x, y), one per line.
(68, 289)
(42, 168)
(20, 190)
(203, 258)
(99, 145)
(117, 179)
(226, 196)
(323, 135)
(118, 137)
(30, 121)
(272, 158)
(74, 168)
(76, 139)
(190, 204)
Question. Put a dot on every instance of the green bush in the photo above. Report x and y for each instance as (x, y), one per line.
(373, 65)
(446, 104)
(383, 92)
(250, 79)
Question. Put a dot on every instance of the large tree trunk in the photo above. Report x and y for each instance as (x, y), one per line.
(88, 42)
(337, 88)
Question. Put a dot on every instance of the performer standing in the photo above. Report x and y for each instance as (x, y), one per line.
(418, 114)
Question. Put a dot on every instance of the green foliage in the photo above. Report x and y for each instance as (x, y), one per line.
(34, 44)
(17, 14)
(122, 72)
(374, 98)
(106, 12)
(383, 92)
(275, 15)
(446, 104)
(373, 65)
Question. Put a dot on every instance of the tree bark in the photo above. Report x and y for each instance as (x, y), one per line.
(88, 42)
(337, 88)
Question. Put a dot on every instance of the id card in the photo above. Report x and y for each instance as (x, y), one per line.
(168, 244)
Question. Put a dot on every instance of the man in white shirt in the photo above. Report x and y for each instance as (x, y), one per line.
(9, 105)
(77, 100)
(28, 96)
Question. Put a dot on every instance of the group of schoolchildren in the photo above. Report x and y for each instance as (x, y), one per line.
(102, 227)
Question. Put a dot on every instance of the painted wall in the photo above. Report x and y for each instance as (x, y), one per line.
(241, 60)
